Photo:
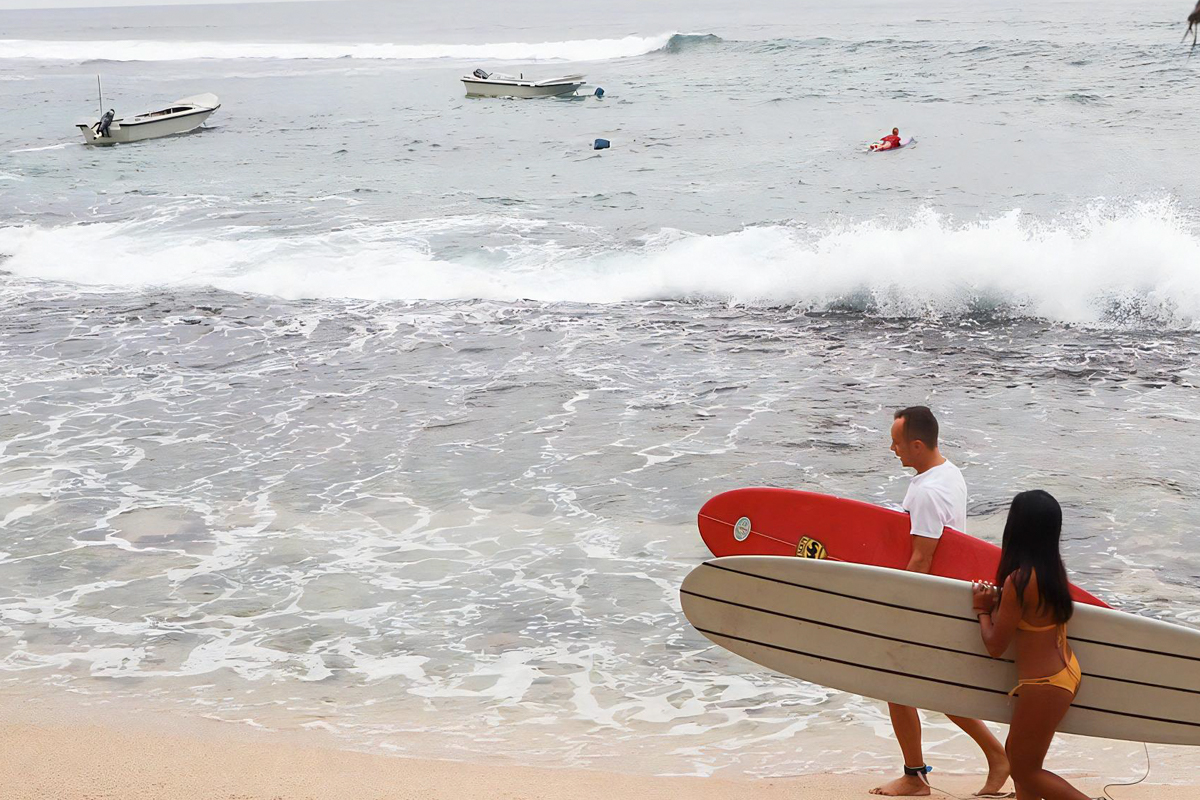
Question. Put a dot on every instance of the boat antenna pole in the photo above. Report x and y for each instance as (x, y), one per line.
(100, 91)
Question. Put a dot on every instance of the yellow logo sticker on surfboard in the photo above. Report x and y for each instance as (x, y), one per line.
(810, 548)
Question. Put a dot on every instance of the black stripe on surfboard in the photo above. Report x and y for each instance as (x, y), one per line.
(896, 672)
(825, 624)
(901, 674)
(971, 620)
(856, 597)
(916, 643)
(1131, 647)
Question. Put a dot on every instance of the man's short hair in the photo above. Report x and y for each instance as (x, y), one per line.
(919, 424)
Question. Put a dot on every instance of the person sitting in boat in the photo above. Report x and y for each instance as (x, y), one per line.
(888, 142)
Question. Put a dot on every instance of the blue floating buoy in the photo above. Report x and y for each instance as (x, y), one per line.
(601, 144)
(599, 92)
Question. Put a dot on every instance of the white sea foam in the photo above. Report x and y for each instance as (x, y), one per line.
(58, 146)
(1137, 265)
(153, 50)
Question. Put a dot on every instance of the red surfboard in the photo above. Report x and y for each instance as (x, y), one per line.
(788, 522)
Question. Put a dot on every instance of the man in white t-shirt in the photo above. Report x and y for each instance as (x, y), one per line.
(936, 499)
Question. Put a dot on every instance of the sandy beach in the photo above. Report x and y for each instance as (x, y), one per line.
(167, 757)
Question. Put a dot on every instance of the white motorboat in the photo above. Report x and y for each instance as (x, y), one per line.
(179, 117)
(495, 84)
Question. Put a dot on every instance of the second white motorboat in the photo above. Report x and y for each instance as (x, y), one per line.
(179, 117)
(495, 84)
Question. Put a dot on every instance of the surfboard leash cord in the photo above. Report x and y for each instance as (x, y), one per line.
(937, 789)
(1108, 796)
(922, 772)
(1104, 791)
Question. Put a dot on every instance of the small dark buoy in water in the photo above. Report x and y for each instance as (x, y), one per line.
(599, 92)
(601, 144)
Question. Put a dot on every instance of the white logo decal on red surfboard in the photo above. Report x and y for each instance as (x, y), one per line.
(742, 529)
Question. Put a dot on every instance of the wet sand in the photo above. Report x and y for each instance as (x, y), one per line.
(88, 761)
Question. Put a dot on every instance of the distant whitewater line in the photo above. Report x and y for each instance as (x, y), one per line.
(1135, 266)
(150, 50)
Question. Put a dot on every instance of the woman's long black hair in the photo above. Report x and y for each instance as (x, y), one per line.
(1031, 547)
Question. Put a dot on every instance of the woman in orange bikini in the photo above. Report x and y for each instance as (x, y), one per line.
(1033, 606)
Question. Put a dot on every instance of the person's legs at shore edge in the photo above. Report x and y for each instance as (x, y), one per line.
(907, 725)
(1038, 711)
(992, 749)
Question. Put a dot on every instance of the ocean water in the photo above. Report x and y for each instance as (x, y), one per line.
(379, 410)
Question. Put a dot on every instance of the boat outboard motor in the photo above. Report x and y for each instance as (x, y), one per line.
(483, 76)
(105, 121)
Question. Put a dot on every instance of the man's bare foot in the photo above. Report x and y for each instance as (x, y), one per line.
(905, 786)
(997, 776)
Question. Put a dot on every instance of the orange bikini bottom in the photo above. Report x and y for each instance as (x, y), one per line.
(1069, 678)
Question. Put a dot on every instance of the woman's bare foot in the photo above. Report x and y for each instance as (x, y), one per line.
(997, 776)
(904, 786)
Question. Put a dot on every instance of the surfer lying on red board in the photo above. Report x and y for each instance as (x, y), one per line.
(1033, 609)
(936, 499)
(888, 142)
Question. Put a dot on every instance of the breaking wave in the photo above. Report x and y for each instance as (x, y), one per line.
(150, 50)
(682, 42)
(1136, 267)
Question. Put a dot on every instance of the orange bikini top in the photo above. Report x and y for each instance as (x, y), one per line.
(1025, 626)
(1022, 625)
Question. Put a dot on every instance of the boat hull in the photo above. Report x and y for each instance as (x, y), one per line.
(498, 89)
(123, 132)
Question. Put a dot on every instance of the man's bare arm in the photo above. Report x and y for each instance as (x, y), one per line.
(921, 559)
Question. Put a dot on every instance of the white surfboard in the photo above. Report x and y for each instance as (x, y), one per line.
(912, 639)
